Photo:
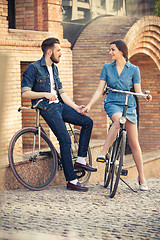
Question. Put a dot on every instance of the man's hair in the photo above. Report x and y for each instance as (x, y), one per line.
(48, 43)
(121, 45)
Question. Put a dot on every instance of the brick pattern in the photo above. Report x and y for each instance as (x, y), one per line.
(40, 15)
(143, 42)
(3, 15)
(22, 47)
(144, 37)
(149, 112)
(90, 52)
(24, 14)
(43, 19)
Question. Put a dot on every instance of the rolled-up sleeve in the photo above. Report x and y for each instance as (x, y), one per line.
(61, 91)
(136, 75)
(103, 75)
(28, 79)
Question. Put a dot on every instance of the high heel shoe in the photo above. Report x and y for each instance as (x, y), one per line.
(142, 187)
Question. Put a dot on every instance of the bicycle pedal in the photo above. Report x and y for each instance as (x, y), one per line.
(101, 160)
(124, 172)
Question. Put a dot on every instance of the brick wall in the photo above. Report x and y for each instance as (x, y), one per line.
(24, 14)
(149, 112)
(144, 50)
(90, 52)
(22, 47)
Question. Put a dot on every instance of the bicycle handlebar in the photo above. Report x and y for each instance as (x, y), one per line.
(127, 92)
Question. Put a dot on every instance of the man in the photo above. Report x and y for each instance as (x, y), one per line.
(41, 80)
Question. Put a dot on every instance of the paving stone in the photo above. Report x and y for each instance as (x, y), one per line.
(57, 213)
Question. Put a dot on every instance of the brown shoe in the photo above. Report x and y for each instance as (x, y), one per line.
(86, 167)
(76, 187)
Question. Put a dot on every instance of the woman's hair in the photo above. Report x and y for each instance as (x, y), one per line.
(121, 45)
(48, 43)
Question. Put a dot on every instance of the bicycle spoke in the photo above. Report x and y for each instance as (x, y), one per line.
(116, 162)
(31, 169)
(82, 175)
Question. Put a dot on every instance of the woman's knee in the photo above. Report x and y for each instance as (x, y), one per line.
(116, 125)
(134, 145)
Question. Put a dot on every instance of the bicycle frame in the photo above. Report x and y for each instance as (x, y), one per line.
(114, 166)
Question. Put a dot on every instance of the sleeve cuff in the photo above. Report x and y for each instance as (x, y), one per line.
(25, 89)
(61, 91)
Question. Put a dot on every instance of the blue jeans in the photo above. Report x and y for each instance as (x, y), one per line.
(55, 116)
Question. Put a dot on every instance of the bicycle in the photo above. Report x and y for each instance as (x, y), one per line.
(114, 158)
(33, 158)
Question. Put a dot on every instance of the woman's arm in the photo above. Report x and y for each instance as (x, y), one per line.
(96, 96)
(137, 88)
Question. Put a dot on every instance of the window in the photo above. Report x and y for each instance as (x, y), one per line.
(11, 13)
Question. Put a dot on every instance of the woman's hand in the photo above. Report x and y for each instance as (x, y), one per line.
(86, 109)
(79, 109)
(149, 98)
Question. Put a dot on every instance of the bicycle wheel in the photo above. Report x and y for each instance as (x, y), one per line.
(107, 171)
(34, 169)
(82, 175)
(117, 162)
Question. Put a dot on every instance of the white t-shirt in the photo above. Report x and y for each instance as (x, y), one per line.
(52, 83)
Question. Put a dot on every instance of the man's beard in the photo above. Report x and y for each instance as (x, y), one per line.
(53, 59)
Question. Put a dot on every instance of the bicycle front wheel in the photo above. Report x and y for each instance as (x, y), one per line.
(33, 160)
(82, 175)
(107, 171)
(117, 162)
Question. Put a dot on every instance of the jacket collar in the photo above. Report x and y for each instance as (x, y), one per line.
(43, 62)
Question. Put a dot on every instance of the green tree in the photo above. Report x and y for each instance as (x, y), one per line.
(157, 7)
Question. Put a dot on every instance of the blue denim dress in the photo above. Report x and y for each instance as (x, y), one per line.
(114, 101)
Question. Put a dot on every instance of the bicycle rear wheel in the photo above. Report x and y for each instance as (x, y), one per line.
(34, 169)
(117, 162)
(82, 175)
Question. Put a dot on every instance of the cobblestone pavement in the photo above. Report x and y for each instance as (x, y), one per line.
(57, 213)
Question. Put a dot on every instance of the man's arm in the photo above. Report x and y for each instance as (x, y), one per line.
(69, 102)
(35, 95)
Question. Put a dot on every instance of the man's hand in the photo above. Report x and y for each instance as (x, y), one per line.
(85, 110)
(80, 108)
(51, 96)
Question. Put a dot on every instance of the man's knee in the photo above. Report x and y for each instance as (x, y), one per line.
(65, 140)
(89, 122)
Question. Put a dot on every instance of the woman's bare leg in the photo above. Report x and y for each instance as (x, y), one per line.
(132, 134)
(112, 133)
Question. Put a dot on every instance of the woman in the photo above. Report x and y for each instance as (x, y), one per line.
(121, 74)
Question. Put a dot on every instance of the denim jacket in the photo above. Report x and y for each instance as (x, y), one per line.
(36, 78)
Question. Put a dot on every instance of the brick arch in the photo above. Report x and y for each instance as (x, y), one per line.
(144, 37)
(143, 40)
(90, 52)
